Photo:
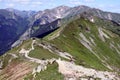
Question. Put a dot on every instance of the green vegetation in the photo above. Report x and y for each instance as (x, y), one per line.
(41, 53)
(5, 60)
(102, 53)
(25, 44)
(8, 56)
(69, 41)
(110, 25)
(50, 74)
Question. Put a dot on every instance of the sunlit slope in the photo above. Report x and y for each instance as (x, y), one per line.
(90, 41)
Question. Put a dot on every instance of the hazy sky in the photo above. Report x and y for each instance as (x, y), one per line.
(107, 5)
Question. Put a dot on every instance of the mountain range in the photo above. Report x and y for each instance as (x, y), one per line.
(63, 43)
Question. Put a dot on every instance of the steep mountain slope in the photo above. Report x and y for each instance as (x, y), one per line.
(50, 15)
(90, 43)
(96, 12)
(30, 23)
(80, 49)
(63, 12)
(105, 15)
(11, 27)
(62, 43)
(42, 30)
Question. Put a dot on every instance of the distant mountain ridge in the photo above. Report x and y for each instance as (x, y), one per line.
(65, 12)
(11, 27)
(79, 46)
(63, 43)
(30, 21)
(24, 14)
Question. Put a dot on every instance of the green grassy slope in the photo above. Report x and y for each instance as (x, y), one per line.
(39, 53)
(42, 53)
(81, 38)
(69, 41)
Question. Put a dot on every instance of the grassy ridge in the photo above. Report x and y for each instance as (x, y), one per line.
(69, 42)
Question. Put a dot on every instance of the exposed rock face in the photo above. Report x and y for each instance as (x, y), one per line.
(50, 15)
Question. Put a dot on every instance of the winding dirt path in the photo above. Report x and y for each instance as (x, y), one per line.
(68, 69)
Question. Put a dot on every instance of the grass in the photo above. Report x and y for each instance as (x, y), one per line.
(68, 41)
(25, 44)
(6, 57)
(42, 53)
(50, 74)
(5, 60)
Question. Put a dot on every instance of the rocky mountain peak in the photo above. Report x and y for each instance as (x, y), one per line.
(62, 7)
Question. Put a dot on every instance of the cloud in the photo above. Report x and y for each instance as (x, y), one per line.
(25, 2)
(17, 1)
(75, 2)
(10, 5)
(89, 0)
(36, 3)
(22, 1)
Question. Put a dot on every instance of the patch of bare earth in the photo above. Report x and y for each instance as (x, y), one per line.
(16, 71)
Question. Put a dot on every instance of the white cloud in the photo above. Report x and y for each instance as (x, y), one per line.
(25, 2)
(89, 0)
(22, 1)
(36, 3)
(75, 2)
(10, 5)
(18, 1)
